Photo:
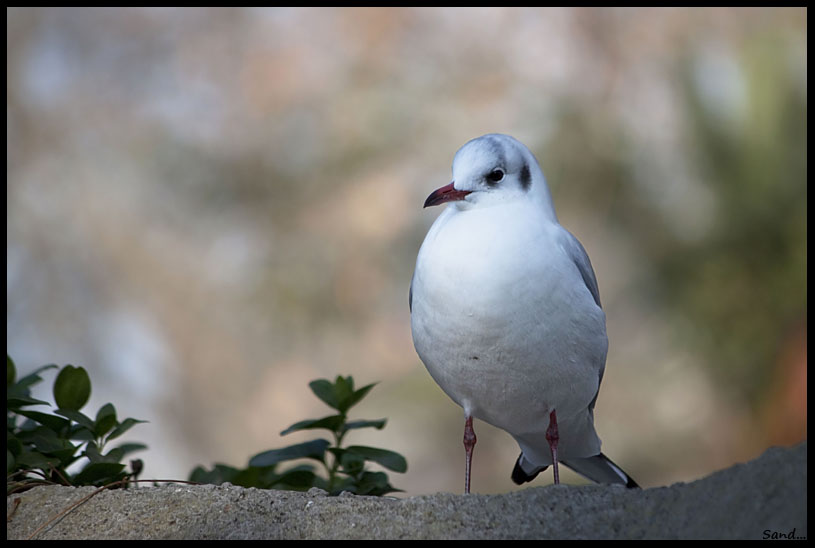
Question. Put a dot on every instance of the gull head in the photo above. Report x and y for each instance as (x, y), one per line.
(491, 170)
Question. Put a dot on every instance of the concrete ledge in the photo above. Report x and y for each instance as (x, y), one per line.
(765, 497)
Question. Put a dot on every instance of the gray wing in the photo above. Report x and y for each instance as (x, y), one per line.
(574, 248)
(578, 254)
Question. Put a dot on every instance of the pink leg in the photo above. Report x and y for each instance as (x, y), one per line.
(469, 443)
(552, 437)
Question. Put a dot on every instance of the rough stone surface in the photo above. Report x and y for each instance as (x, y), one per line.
(767, 494)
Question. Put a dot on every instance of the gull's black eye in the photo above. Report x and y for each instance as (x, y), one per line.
(495, 176)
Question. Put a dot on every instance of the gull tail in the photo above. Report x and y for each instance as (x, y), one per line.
(599, 469)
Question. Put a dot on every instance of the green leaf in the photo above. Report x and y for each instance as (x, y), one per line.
(352, 463)
(299, 478)
(354, 398)
(114, 455)
(72, 388)
(342, 484)
(79, 418)
(11, 371)
(80, 433)
(333, 423)
(344, 392)
(13, 445)
(374, 483)
(314, 449)
(57, 424)
(93, 454)
(15, 401)
(324, 390)
(18, 394)
(45, 440)
(33, 378)
(123, 427)
(35, 459)
(340, 394)
(219, 474)
(320, 483)
(389, 459)
(252, 477)
(378, 424)
(95, 472)
(105, 420)
(127, 448)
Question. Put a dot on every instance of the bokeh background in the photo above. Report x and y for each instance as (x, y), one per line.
(208, 208)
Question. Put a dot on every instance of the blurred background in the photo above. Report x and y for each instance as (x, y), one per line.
(209, 208)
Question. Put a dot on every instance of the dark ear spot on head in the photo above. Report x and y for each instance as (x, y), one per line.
(526, 178)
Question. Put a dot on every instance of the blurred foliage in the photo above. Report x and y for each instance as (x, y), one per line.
(737, 293)
(40, 446)
(743, 288)
(345, 468)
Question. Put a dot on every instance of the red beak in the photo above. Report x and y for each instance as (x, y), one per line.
(447, 193)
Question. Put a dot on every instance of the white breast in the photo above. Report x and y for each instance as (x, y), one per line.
(484, 295)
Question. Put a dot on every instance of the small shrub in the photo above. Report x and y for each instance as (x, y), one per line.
(42, 446)
(344, 466)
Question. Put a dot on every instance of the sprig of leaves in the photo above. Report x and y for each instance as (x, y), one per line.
(42, 445)
(345, 467)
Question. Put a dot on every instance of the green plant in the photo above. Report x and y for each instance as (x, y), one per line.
(41, 446)
(345, 468)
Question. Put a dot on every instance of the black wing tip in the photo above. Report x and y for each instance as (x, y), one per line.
(629, 481)
(519, 476)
